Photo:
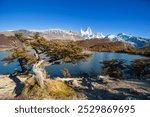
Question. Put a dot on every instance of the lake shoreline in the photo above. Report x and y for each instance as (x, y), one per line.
(92, 51)
(102, 88)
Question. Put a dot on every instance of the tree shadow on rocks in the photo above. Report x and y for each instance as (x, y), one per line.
(133, 94)
(19, 85)
(101, 94)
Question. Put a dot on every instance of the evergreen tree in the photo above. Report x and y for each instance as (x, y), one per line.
(34, 51)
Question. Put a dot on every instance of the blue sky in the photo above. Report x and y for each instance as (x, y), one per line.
(106, 16)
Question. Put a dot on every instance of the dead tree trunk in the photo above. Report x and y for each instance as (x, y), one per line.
(39, 72)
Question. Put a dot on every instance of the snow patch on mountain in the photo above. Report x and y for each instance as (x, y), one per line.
(114, 38)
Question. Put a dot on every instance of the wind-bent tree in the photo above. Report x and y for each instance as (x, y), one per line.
(36, 51)
(20, 53)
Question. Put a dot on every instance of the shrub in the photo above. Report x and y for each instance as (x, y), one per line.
(140, 68)
(66, 73)
(113, 68)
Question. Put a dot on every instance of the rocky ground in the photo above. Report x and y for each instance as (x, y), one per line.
(10, 87)
(111, 89)
(101, 88)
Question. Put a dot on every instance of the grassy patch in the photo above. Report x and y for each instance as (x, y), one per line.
(24, 75)
(59, 90)
(54, 89)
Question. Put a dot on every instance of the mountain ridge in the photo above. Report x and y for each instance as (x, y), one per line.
(61, 34)
(132, 40)
(48, 34)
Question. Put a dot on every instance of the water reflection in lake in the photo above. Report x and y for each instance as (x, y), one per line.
(92, 67)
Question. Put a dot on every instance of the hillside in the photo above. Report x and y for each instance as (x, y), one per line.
(6, 42)
(94, 44)
(48, 34)
(105, 45)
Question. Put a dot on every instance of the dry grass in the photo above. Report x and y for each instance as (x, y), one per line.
(59, 90)
(54, 89)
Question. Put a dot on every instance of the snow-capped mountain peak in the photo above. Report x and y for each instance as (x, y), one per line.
(82, 32)
(88, 31)
(88, 34)
(121, 37)
(111, 36)
(115, 38)
(99, 35)
(129, 39)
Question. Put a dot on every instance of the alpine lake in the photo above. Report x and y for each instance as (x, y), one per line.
(90, 67)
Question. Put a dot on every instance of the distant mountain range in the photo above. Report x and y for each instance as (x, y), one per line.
(84, 34)
(48, 34)
(130, 39)
(121, 37)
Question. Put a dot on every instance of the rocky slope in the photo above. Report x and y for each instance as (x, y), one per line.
(100, 88)
(10, 87)
(6, 42)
